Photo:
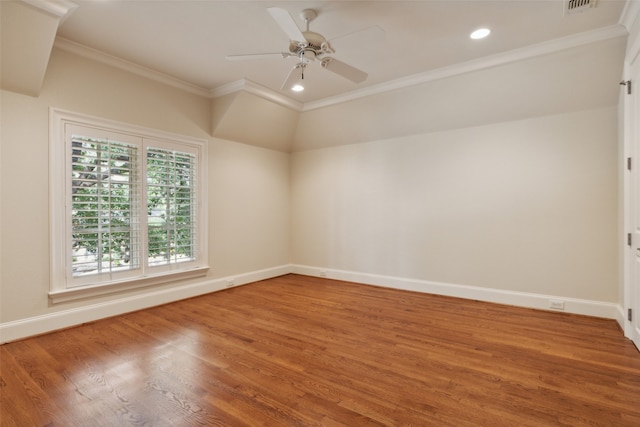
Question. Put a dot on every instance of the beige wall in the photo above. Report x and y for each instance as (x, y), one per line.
(249, 208)
(579, 78)
(527, 205)
(518, 202)
(248, 187)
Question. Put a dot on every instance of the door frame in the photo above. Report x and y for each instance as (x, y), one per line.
(630, 128)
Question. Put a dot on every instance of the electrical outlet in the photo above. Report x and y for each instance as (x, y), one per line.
(323, 274)
(556, 304)
(231, 283)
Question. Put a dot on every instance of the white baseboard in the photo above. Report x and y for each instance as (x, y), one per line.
(19, 329)
(522, 299)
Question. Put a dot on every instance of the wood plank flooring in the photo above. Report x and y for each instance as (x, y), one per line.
(302, 351)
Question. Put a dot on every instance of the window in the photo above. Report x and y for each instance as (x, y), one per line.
(127, 206)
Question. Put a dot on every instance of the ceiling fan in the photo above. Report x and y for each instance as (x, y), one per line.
(308, 46)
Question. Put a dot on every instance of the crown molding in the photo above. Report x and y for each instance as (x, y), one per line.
(630, 19)
(532, 51)
(228, 88)
(99, 56)
(556, 45)
(258, 90)
(58, 8)
(630, 14)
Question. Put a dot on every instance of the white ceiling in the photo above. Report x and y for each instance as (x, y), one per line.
(189, 40)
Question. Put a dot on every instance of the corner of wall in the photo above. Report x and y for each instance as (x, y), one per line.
(248, 118)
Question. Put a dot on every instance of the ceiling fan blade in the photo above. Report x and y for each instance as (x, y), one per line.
(285, 21)
(344, 70)
(294, 75)
(276, 55)
(355, 39)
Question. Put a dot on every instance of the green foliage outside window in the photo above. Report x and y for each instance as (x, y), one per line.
(106, 206)
(169, 206)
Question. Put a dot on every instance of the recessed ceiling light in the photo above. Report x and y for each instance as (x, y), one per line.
(297, 88)
(480, 33)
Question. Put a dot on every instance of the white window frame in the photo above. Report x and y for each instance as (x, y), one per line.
(63, 286)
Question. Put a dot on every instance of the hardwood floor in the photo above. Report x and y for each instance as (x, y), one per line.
(301, 351)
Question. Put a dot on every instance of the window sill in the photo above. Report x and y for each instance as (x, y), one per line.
(71, 294)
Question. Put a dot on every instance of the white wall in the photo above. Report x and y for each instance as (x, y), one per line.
(248, 190)
(526, 206)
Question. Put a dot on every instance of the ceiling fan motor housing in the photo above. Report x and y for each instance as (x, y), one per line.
(316, 45)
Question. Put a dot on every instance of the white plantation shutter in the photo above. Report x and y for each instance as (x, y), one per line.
(127, 207)
(171, 198)
(104, 205)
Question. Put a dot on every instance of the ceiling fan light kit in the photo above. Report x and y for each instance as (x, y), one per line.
(306, 46)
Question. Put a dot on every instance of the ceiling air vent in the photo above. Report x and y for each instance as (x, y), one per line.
(574, 6)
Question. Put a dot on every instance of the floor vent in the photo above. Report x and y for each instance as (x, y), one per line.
(574, 6)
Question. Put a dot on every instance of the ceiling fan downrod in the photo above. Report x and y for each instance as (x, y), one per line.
(307, 16)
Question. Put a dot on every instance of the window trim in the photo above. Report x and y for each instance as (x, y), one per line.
(60, 288)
